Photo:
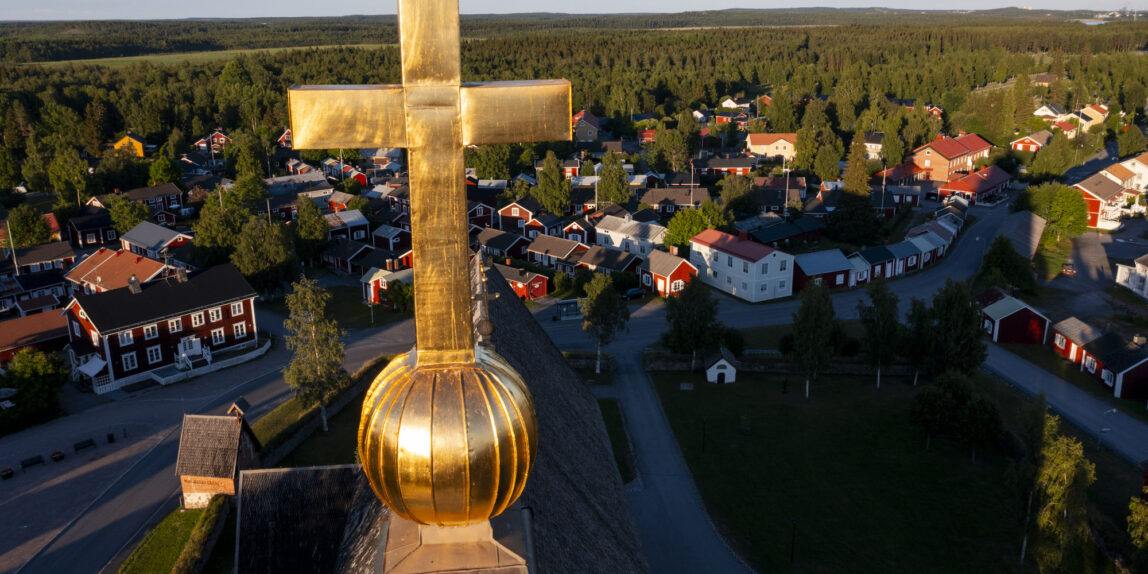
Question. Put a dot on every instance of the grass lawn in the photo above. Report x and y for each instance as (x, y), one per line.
(769, 337)
(278, 419)
(605, 378)
(336, 446)
(1043, 357)
(347, 307)
(1051, 256)
(191, 57)
(1125, 295)
(851, 469)
(619, 442)
(222, 560)
(161, 547)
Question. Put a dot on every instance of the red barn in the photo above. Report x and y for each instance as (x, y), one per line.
(1070, 336)
(528, 286)
(1120, 364)
(1009, 320)
(666, 274)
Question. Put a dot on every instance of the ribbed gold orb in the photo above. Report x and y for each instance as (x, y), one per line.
(448, 445)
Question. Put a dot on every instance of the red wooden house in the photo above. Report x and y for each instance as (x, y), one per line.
(829, 268)
(349, 224)
(341, 252)
(1103, 198)
(1120, 364)
(514, 216)
(544, 224)
(151, 240)
(391, 237)
(719, 166)
(983, 184)
(580, 230)
(497, 243)
(480, 214)
(1010, 320)
(1070, 336)
(377, 281)
(92, 227)
(665, 274)
(601, 259)
(647, 136)
(284, 140)
(45, 332)
(528, 286)
(556, 252)
(121, 336)
(1032, 142)
(215, 141)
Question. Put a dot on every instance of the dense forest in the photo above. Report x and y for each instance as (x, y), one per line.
(52, 116)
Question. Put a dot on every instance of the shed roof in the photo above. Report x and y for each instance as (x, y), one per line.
(664, 264)
(1077, 331)
(821, 262)
(209, 446)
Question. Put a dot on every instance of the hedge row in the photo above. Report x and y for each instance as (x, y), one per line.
(198, 547)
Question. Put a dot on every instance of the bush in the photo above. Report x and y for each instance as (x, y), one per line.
(561, 282)
(623, 281)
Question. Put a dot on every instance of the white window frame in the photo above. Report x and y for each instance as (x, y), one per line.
(126, 338)
(154, 350)
(218, 336)
(128, 360)
(175, 325)
(197, 319)
(1059, 340)
(646, 279)
(239, 330)
(1108, 377)
(781, 285)
(237, 309)
(150, 332)
(1090, 363)
(215, 314)
(783, 261)
(76, 329)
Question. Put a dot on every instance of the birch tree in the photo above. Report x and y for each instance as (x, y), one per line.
(604, 313)
(882, 327)
(316, 371)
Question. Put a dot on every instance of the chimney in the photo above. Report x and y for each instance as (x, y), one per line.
(940, 137)
(134, 284)
(508, 261)
(181, 275)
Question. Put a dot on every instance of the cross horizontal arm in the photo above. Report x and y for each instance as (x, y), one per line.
(517, 111)
(347, 117)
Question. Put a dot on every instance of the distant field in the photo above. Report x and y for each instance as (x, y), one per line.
(192, 57)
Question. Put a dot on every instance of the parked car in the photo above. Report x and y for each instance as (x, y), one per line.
(1068, 269)
(633, 293)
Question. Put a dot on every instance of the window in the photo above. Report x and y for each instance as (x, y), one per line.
(729, 261)
(745, 266)
(90, 237)
(715, 256)
(129, 360)
(360, 234)
(762, 288)
(765, 268)
(840, 278)
(215, 314)
(236, 309)
(913, 260)
(989, 326)
(645, 279)
(175, 325)
(83, 315)
(218, 337)
(782, 265)
(781, 285)
(1059, 341)
(95, 339)
(240, 330)
(514, 211)
(928, 152)
(729, 280)
(928, 162)
(34, 267)
(677, 286)
(1108, 378)
(197, 319)
(125, 337)
(154, 355)
(76, 329)
(1090, 363)
(151, 332)
(111, 235)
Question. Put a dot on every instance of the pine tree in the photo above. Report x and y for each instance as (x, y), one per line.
(126, 213)
(553, 189)
(310, 231)
(604, 313)
(613, 182)
(316, 370)
(806, 148)
(882, 325)
(857, 168)
(780, 114)
(217, 231)
(813, 326)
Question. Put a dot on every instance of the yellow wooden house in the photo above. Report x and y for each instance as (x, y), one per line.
(131, 142)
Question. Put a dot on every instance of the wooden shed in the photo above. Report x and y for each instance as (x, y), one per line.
(1010, 320)
(212, 451)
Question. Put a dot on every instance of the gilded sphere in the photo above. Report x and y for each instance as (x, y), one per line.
(448, 444)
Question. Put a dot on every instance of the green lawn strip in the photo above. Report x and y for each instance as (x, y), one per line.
(1045, 358)
(850, 468)
(347, 307)
(160, 549)
(336, 446)
(195, 551)
(769, 337)
(1051, 256)
(619, 442)
(222, 559)
(282, 422)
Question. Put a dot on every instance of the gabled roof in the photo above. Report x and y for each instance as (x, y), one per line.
(1053, 107)
(553, 246)
(729, 244)
(674, 195)
(547, 220)
(630, 228)
(44, 252)
(1041, 138)
(348, 218)
(91, 218)
(345, 250)
(1065, 126)
(145, 193)
(497, 239)
(607, 257)
(770, 139)
(953, 148)
(1100, 187)
(664, 264)
(32, 329)
(821, 262)
(1120, 172)
(722, 353)
(903, 249)
(1077, 331)
(726, 163)
(209, 446)
(1117, 353)
(1006, 306)
(387, 231)
(878, 254)
(874, 138)
(585, 116)
(151, 236)
(526, 202)
(980, 181)
(118, 309)
(110, 269)
(515, 274)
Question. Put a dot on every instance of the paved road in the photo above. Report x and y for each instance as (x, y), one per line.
(1099, 161)
(93, 507)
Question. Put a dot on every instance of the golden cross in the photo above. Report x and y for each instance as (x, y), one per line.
(434, 115)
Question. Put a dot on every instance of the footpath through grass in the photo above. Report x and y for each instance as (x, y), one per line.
(346, 306)
(851, 469)
(161, 547)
